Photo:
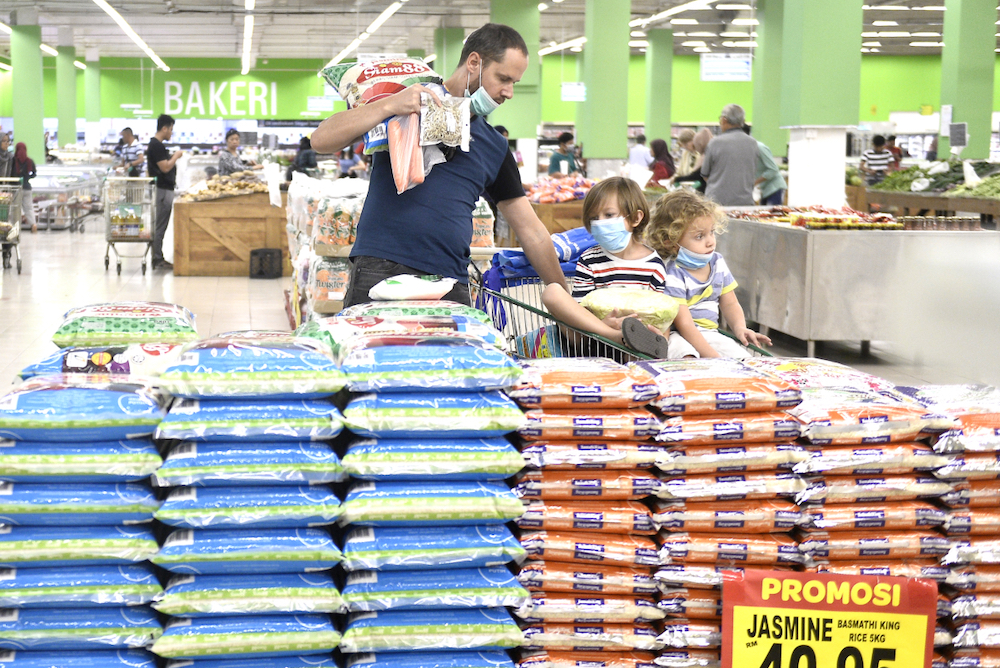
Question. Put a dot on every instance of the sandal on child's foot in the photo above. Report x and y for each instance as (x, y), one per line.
(640, 338)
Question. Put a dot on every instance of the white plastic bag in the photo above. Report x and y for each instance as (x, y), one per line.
(406, 287)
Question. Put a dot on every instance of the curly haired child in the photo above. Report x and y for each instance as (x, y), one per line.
(682, 229)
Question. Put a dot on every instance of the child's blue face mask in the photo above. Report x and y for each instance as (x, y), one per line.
(691, 260)
(611, 234)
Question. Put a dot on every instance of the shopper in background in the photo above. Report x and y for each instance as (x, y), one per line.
(663, 164)
(6, 155)
(769, 179)
(132, 155)
(730, 161)
(933, 150)
(688, 160)
(561, 162)
(305, 159)
(513, 149)
(639, 155)
(877, 161)
(897, 152)
(696, 149)
(229, 158)
(22, 167)
(162, 167)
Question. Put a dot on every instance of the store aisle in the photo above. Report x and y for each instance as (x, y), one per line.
(64, 269)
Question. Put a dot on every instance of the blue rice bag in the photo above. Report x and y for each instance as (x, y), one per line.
(74, 408)
(247, 636)
(493, 659)
(311, 661)
(122, 658)
(428, 458)
(428, 589)
(202, 595)
(244, 551)
(71, 629)
(138, 360)
(242, 463)
(415, 630)
(430, 503)
(75, 505)
(35, 547)
(271, 420)
(394, 549)
(98, 462)
(72, 587)
(249, 507)
(416, 415)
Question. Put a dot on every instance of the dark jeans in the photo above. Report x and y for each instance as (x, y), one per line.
(367, 272)
(777, 198)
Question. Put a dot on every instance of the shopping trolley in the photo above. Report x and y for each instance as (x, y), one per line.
(10, 221)
(129, 215)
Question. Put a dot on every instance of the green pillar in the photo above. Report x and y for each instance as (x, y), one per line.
(821, 62)
(26, 59)
(659, 66)
(92, 87)
(66, 89)
(448, 47)
(605, 73)
(767, 77)
(579, 119)
(416, 53)
(967, 62)
(522, 114)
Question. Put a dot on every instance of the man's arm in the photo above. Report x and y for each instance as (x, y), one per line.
(534, 239)
(168, 164)
(347, 127)
(706, 162)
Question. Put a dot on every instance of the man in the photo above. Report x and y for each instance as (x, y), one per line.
(561, 162)
(897, 152)
(640, 155)
(428, 229)
(163, 167)
(132, 155)
(730, 161)
(769, 179)
(876, 161)
(6, 155)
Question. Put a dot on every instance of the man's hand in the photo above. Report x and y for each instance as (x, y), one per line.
(747, 336)
(408, 101)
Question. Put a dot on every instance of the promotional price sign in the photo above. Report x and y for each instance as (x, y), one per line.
(808, 620)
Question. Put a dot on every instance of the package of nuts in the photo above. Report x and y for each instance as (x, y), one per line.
(445, 123)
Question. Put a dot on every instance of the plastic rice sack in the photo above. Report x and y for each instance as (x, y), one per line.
(721, 385)
(241, 463)
(623, 424)
(851, 546)
(974, 658)
(247, 636)
(324, 660)
(650, 306)
(765, 516)
(415, 415)
(898, 516)
(703, 576)
(719, 548)
(415, 308)
(242, 551)
(69, 629)
(36, 547)
(551, 607)
(466, 659)
(816, 374)
(140, 360)
(748, 428)
(869, 489)
(389, 549)
(439, 361)
(431, 458)
(692, 603)
(415, 630)
(972, 466)
(973, 577)
(241, 366)
(705, 488)
(943, 636)
(602, 516)
(78, 407)
(570, 455)
(407, 287)
(583, 485)
(977, 432)
(846, 460)
(75, 505)
(591, 637)
(255, 507)
(694, 460)
(122, 658)
(591, 659)
(553, 576)
(431, 503)
(974, 522)
(972, 606)
(974, 550)
(976, 408)
(271, 420)
(591, 548)
(984, 634)
(201, 595)
(974, 494)
(124, 323)
(572, 382)
(495, 587)
(100, 462)
(71, 587)
(337, 330)
(682, 633)
(928, 569)
(688, 658)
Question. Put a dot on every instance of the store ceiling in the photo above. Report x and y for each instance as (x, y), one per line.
(321, 28)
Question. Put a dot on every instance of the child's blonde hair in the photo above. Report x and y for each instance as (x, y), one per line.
(673, 214)
(629, 197)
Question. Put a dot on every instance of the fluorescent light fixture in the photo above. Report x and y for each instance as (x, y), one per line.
(702, 49)
(383, 17)
(734, 33)
(343, 54)
(693, 43)
(702, 34)
(637, 33)
(250, 5)
(579, 41)
(79, 65)
(745, 22)
(5, 67)
(638, 43)
(734, 7)
(928, 34)
(430, 58)
(542, 6)
(123, 24)
(49, 50)
(864, 50)
(576, 49)
(683, 22)
(932, 45)
(887, 8)
(869, 34)
(885, 23)
(871, 44)
(680, 34)
(745, 44)
(687, 6)
(891, 33)
(929, 8)
(6, 28)
(876, 50)
(247, 41)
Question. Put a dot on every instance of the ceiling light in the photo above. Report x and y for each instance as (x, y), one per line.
(557, 1)
(579, 41)
(734, 33)
(885, 23)
(702, 49)
(250, 5)
(123, 24)
(576, 49)
(637, 33)
(745, 44)
(680, 34)
(693, 43)
(683, 22)
(876, 50)
(734, 8)
(638, 43)
(869, 34)
(701, 34)
(383, 17)
(893, 34)
(247, 41)
(745, 22)
(542, 6)
(6, 28)
(690, 5)
(864, 50)
(886, 8)
(48, 49)
(928, 44)
(430, 58)
(79, 65)
(363, 36)
(870, 44)
(928, 34)
(929, 8)
(5, 67)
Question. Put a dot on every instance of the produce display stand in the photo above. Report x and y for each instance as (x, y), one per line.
(129, 214)
(10, 221)
(560, 217)
(914, 203)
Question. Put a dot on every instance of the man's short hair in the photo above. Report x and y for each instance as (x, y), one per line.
(164, 121)
(878, 140)
(491, 42)
(501, 129)
(734, 115)
(128, 130)
(640, 139)
(891, 138)
(565, 137)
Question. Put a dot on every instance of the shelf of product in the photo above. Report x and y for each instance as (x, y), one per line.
(942, 176)
(555, 191)
(818, 218)
(217, 187)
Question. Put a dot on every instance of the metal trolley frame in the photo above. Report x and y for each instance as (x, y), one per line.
(129, 215)
(10, 221)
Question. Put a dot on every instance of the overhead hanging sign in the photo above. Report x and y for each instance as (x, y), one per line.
(726, 66)
(774, 619)
(574, 91)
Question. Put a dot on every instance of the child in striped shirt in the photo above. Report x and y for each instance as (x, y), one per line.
(682, 230)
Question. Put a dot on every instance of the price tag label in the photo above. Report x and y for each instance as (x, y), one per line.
(810, 620)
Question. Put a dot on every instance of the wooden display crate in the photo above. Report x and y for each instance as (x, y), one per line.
(560, 217)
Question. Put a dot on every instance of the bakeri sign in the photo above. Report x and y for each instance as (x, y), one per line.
(234, 98)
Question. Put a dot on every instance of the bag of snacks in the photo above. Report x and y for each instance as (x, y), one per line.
(650, 306)
(445, 121)
(123, 323)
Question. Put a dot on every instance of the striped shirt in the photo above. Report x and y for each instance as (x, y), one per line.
(133, 152)
(597, 269)
(877, 161)
(702, 298)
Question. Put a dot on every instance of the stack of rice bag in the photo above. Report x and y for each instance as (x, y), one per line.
(587, 532)
(426, 544)
(249, 464)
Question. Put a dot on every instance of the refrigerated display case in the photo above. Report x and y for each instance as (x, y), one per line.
(63, 196)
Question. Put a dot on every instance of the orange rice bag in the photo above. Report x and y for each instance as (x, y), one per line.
(974, 494)
(591, 637)
(872, 460)
(576, 607)
(622, 424)
(574, 455)
(929, 569)
(708, 488)
(704, 576)
(729, 549)
(974, 578)
(973, 466)
(894, 516)
(764, 516)
(554, 576)
(613, 517)
(974, 522)
(586, 485)
(590, 548)
(692, 603)
(582, 382)
(704, 459)
(745, 428)
(973, 658)
(571, 659)
(683, 633)
(854, 545)
(869, 489)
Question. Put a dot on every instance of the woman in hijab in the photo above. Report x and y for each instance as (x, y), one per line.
(23, 168)
(663, 163)
(695, 147)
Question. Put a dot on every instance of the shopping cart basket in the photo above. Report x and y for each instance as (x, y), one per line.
(129, 215)
(10, 221)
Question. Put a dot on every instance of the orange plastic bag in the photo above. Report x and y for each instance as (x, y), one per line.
(555, 607)
(704, 576)
(684, 633)
(586, 485)
(572, 455)
(973, 522)
(591, 637)
(405, 154)
(874, 460)
(854, 545)
(830, 418)
(600, 516)
(898, 516)
(973, 658)
(688, 658)
(703, 459)
(591, 548)
(582, 578)
(974, 578)
(973, 466)
(623, 424)
(862, 489)
(765, 516)
(974, 494)
(573, 383)
(718, 548)
(744, 428)
(692, 603)
(589, 659)
(928, 569)
(708, 488)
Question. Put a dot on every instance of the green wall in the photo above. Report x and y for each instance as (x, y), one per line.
(899, 83)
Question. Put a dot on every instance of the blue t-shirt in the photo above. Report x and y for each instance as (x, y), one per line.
(429, 227)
